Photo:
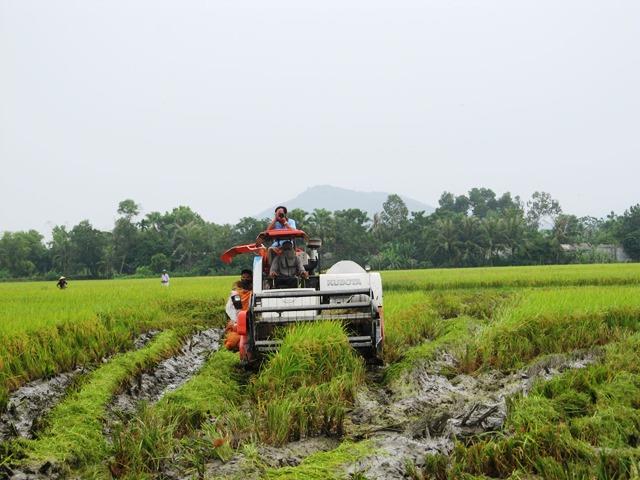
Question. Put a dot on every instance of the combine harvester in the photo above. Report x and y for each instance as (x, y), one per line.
(346, 293)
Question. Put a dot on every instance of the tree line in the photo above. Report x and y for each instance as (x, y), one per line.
(479, 228)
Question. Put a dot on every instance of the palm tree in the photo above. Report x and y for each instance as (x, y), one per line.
(514, 234)
(445, 242)
(495, 236)
(473, 240)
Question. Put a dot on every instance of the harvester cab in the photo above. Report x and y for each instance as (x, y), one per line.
(346, 293)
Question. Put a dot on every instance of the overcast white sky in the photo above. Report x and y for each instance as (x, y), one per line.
(204, 103)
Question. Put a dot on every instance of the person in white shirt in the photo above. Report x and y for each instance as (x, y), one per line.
(164, 279)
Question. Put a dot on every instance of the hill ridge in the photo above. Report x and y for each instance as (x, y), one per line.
(337, 198)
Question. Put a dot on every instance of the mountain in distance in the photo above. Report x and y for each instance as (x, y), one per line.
(336, 198)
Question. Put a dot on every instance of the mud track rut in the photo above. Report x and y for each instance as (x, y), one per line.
(32, 401)
(428, 411)
(169, 374)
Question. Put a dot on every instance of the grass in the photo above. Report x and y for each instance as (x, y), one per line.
(519, 277)
(44, 331)
(198, 421)
(581, 424)
(74, 432)
(307, 386)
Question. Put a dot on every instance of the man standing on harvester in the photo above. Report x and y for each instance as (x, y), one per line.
(280, 222)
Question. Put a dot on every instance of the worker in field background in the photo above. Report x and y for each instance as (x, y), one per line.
(62, 283)
(164, 279)
(238, 300)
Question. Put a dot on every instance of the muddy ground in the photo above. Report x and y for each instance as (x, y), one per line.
(168, 375)
(27, 404)
(31, 402)
(422, 414)
(428, 411)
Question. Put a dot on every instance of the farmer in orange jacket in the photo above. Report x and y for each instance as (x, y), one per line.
(238, 300)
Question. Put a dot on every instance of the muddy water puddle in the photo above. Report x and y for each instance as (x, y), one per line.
(169, 374)
(28, 404)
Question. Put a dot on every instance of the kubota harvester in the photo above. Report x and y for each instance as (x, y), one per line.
(346, 292)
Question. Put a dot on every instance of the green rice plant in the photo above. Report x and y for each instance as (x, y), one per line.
(144, 444)
(310, 354)
(560, 320)
(307, 385)
(570, 300)
(451, 303)
(324, 465)
(408, 321)
(74, 427)
(452, 335)
(213, 392)
(31, 306)
(501, 277)
(278, 419)
(415, 320)
(200, 420)
(581, 424)
(435, 466)
(44, 331)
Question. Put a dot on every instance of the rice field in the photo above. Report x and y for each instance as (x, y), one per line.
(226, 423)
(501, 277)
(29, 306)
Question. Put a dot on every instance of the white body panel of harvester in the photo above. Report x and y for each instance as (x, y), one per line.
(290, 302)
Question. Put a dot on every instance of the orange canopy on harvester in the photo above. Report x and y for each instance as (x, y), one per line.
(258, 248)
